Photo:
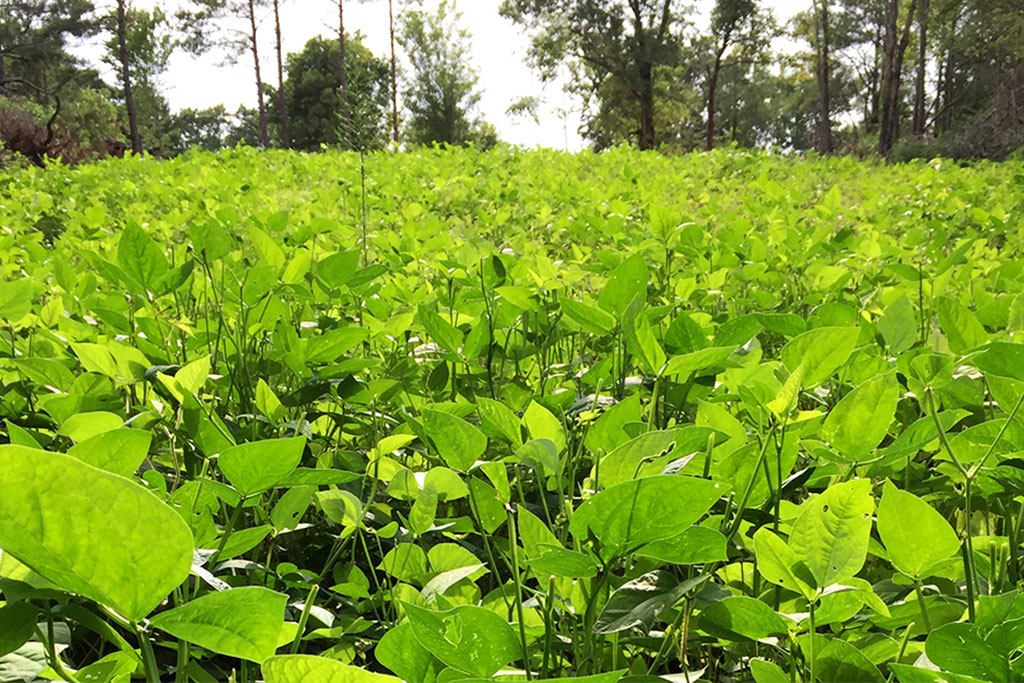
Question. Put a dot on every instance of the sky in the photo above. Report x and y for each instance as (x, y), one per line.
(499, 55)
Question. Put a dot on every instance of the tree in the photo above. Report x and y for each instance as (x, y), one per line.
(613, 48)
(138, 49)
(442, 90)
(280, 78)
(896, 42)
(920, 115)
(728, 19)
(33, 39)
(316, 112)
(823, 73)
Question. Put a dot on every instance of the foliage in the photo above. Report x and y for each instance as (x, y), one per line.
(441, 94)
(617, 417)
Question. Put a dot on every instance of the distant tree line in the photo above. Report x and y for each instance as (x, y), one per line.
(896, 78)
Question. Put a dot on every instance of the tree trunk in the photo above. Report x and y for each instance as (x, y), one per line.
(264, 136)
(346, 111)
(824, 82)
(709, 137)
(126, 76)
(394, 71)
(920, 113)
(646, 138)
(895, 49)
(281, 105)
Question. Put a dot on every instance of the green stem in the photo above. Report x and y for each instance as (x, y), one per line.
(232, 522)
(812, 664)
(924, 608)
(514, 547)
(304, 618)
(148, 656)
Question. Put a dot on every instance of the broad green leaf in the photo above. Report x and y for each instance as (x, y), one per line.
(592, 319)
(338, 268)
(541, 454)
(898, 325)
(831, 535)
(907, 673)
(915, 535)
(444, 334)
(698, 360)
(841, 662)
(739, 618)
(641, 340)
(120, 451)
(820, 351)
(1001, 359)
(608, 432)
(87, 425)
(626, 282)
(239, 622)
(638, 603)
(498, 420)
(140, 258)
(778, 564)
(259, 465)
(17, 625)
(786, 401)
(91, 532)
(312, 669)
(861, 419)
(695, 545)
(467, 638)
(648, 454)
(963, 331)
(16, 299)
(399, 651)
(406, 562)
(541, 424)
(631, 514)
(424, 509)
(331, 345)
(459, 443)
(958, 648)
(19, 436)
(268, 402)
(764, 671)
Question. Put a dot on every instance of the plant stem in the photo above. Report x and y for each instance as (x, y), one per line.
(148, 656)
(812, 664)
(924, 608)
(304, 618)
(514, 548)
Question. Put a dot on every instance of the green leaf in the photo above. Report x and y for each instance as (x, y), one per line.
(91, 532)
(590, 318)
(542, 424)
(739, 618)
(696, 545)
(239, 622)
(17, 625)
(907, 673)
(626, 282)
(898, 325)
(641, 340)
(958, 648)
(648, 454)
(698, 360)
(444, 334)
(1001, 359)
(963, 331)
(831, 535)
(786, 400)
(467, 638)
(764, 671)
(778, 564)
(638, 603)
(120, 451)
(841, 662)
(399, 651)
(260, 465)
(498, 420)
(861, 419)
(406, 562)
(312, 669)
(820, 351)
(141, 258)
(87, 425)
(459, 443)
(331, 345)
(634, 513)
(915, 535)
(421, 516)
(16, 299)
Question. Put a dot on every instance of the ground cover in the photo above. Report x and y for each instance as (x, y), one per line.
(450, 416)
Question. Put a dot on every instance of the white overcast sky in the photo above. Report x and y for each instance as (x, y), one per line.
(499, 50)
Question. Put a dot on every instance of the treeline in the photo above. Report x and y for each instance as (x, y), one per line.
(897, 78)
